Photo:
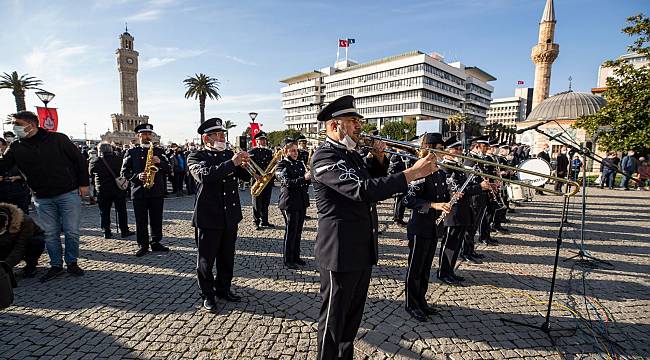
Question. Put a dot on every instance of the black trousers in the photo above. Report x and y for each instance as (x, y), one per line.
(450, 248)
(399, 208)
(486, 221)
(261, 206)
(344, 297)
(558, 185)
(22, 200)
(190, 184)
(105, 202)
(34, 250)
(468, 239)
(421, 253)
(177, 181)
(294, 220)
(215, 245)
(148, 211)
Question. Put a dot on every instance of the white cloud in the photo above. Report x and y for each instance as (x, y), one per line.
(146, 15)
(156, 62)
(240, 60)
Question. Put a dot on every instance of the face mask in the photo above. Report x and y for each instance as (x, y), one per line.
(192, 148)
(20, 131)
(219, 145)
(146, 145)
(347, 140)
(9, 138)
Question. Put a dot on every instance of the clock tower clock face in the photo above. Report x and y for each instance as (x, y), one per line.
(129, 60)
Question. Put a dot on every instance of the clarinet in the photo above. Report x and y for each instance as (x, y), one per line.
(455, 197)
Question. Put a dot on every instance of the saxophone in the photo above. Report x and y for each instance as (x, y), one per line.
(150, 169)
(268, 175)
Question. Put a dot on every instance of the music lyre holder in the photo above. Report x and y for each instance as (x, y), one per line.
(545, 327)
(583, 257)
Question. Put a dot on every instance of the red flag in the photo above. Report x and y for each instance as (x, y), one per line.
(343, 43)
(48, 118)
(255, 128)
(520, 82)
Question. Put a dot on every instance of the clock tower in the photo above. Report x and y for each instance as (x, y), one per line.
(125, 122)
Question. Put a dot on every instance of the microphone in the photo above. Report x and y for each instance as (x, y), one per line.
(532, 127)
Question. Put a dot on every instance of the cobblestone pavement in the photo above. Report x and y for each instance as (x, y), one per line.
(128, 307)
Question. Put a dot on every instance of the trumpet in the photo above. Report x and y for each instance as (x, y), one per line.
(249, 165)
(420, 152)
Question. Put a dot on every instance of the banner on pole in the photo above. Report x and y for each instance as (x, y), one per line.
(255, 128)
(48, 118)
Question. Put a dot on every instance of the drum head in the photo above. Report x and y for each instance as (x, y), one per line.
(538, 166)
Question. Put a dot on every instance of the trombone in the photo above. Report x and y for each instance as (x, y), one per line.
(421, 152)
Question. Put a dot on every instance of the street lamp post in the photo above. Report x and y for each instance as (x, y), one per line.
(85, 134)
(406, 134)
(253, 115)
(45, 97)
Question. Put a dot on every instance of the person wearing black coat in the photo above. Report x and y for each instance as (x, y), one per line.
(147, 203)
(107, 191)
(217, 210)
(544, 156)
(20, 239)
(562, 167)
(293, 202)
(13, 187)
(262, 156)
(346, 186)
(427, 197)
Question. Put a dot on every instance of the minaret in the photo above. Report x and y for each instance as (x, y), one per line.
(544, 54)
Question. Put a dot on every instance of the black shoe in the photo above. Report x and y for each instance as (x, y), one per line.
(449, 280)
(29, 271)
(307, 217)
(51, 273)
(127, 233)
(292, 266)
(268, 225)
(477, 255)
(301, 262)
(493, 230)
(159, 247)
(492, 242)
(229, 296)
(474, 260)
(417, 314)
(511, 210)
(258, 227)
(142, 251)
(74, 269)
(458, 277)
(108, 234)
(209, 303)
(429, 310)
(501, 229)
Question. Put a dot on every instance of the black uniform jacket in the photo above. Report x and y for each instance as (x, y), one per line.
(294, 194)
(261, 156)
(217, 203)
(303, 155)
(481, 199)
(346, 187)
(421, 193)
(133, 165)
(104, 180)
(461, 213)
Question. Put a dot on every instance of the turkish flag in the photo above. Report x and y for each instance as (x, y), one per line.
(48, 119)
(255, 128)
(343, 43)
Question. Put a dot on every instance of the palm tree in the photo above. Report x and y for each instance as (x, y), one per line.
(229, 125)
(202, 87)
(18, 86)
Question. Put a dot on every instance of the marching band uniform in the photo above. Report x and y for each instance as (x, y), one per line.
(492, 205)
(398, 164)
(262, 156)
(293, 202)
(422, 234)
(303, 155)
(147, 203)
(217, 213)
(478, 202)
(346, 185)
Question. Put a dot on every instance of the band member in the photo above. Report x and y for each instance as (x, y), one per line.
(303, 150)
(217, 210)
(460, 219)
(262, 156)
(500, 215)
(398, 164)
(147, 203)
(427, 197)
(493, 202)
(479, 202)
(293, 202)
(346, 185)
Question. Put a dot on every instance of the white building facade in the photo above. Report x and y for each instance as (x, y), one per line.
(509, 111)
(408, 87)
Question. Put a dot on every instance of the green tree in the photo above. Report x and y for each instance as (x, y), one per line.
(624, 122)
(368, 128)
(229, 125)
(18, 85)
(275, 137)
(202, 87)
(395, 130)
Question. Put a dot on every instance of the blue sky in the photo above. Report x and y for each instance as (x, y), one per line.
(251, 45)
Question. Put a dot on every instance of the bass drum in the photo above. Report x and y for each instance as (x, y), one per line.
(537, 165)
(516, 193)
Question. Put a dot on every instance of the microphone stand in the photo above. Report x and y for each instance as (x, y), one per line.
(583, 256)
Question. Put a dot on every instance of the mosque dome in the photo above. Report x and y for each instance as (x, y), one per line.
(568, 105)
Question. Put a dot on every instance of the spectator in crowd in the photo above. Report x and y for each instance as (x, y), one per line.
(13, 188)
(562, 167)
(9, 136)
(57, 173)
(576, 167)
(190, 183)
(20, 239)
(608, 169)
(179, 167)
(644, 174)
(629, 165)
(104, 169)
(544, 156)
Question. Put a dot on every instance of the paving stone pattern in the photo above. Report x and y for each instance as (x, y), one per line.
(149, 307)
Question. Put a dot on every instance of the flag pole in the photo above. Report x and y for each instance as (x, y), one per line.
(346, 52)
(338, 51)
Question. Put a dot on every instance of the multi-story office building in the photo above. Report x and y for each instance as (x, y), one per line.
(408, 87)
(509, 111)
(605, 72)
